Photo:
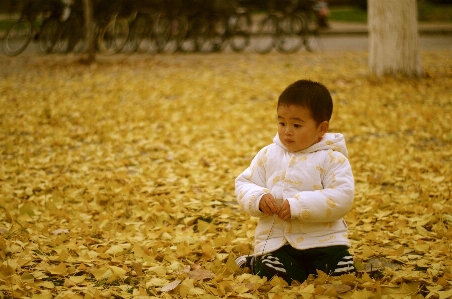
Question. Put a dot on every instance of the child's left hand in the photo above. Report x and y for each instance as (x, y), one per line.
(284, 211)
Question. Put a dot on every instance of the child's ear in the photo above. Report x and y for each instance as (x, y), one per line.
(323, 127)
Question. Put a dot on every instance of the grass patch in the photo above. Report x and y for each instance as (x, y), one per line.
(348, 14)
(4, 24)
(427, 12)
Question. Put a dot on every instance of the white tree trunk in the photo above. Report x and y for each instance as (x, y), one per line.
(394, 38)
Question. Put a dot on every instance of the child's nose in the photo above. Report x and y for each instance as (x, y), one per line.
(288, 131)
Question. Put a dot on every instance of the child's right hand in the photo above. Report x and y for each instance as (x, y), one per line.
(268, 205)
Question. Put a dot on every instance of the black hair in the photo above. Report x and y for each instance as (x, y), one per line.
(309, 94)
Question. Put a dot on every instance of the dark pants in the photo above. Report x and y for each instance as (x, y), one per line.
(294, 264)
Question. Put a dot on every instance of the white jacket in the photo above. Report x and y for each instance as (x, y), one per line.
(319, 185)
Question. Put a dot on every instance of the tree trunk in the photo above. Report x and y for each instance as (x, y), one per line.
(394, 38)
(89, 25)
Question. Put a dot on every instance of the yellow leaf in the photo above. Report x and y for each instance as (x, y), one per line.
(201, 274)
(118, 272)
(362, 294)
(203, 226)
(42, 296)
(27, 277)
(28, 209)
(398, 252)
(78, 279)
(309, 289)
(101, 273)
(278, 281)
(422, 248)
(171, 286)
(422, 231)
(115, 249)
(367, 251)
(366, 278)
(59, 270)
(444, 294)
(330, 292)
(231, 266)
(45, 284)
(182, 249)
(156, 282)
(220, 241)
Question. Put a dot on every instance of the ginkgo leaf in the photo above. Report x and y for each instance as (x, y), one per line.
(42, 296)
(115, 249)
(171, 286)
(201, 274)
(61, 269)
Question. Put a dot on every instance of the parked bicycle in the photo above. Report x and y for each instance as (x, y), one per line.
(282, 28)
(156, 26)
(240, 25)
(35, 16)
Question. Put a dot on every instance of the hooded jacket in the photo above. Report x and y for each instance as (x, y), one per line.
(319, 185)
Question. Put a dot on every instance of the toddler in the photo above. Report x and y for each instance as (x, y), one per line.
(300, 187)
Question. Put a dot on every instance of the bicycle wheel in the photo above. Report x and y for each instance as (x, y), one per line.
(182, 29)
(113, 36)
(161, 32)
(138, 30)
(81, 45)
(48, 35)
(241, 32)
(187, 44)
(290, 33)
(267, 34)
(69, 35)
(218, 32)
(178, 28)
(17, 37)
(202, 39)
(310, 31)
(212, 36)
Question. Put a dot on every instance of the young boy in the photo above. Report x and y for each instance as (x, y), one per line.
(300, 187)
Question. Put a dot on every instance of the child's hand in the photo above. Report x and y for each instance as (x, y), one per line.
(268, 205)
(284, 211)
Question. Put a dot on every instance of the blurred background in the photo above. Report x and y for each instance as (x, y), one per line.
(339, 10)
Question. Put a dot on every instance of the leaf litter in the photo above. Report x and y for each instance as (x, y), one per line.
(117, 179)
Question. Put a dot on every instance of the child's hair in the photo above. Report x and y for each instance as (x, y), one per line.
(309, 94)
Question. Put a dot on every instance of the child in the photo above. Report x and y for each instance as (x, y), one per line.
(300, 187)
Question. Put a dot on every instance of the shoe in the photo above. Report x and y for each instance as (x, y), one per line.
(245, 261)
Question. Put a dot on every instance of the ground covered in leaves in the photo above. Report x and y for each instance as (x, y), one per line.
(117, 179)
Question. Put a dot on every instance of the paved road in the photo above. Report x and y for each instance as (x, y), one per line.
(361, 42)
(332, 43)
(343, 36)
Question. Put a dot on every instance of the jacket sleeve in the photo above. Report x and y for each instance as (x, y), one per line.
(250, 185)
(333, 199)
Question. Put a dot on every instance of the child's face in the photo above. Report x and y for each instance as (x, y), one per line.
(297, 129)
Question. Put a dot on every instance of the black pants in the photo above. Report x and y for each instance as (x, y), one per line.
(294, 264)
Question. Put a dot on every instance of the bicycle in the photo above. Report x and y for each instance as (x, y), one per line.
(140, 34)
(307, 8)
(285, 28)
(269, 26)
(211, 33)
(34, 16)
(240, 27)
(171, 26)
(112, 25)
(71, 30)
(52, 26)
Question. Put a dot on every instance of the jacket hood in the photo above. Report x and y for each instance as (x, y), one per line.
(329, 141)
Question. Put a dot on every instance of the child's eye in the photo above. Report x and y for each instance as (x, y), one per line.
(282, 124)
(297, 126)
